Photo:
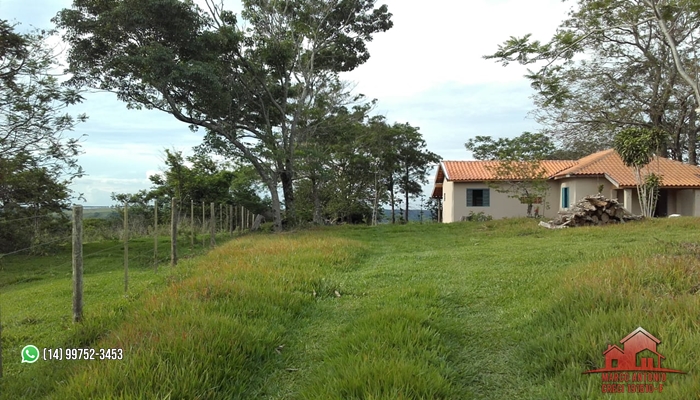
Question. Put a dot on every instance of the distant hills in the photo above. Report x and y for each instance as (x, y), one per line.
(413, 215)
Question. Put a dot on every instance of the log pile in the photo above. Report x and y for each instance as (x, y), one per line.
(591, 210)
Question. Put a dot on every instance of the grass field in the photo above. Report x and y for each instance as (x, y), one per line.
(494, 310)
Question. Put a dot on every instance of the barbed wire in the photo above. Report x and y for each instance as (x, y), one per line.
(26, 218)
(35, 246)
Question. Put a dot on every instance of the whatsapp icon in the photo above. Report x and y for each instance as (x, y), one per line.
(30, 354)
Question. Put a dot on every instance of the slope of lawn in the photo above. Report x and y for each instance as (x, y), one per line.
(501, 309)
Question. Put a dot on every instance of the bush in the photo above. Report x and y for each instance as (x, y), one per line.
(477, 217)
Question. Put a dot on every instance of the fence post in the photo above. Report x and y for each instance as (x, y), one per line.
(204, 232)
(192, 223)
(77, 263)
(0, 346)
(155, 235)
(221, 217)
(126, 247)
(212, 223)
(173, 232)
(230, 220)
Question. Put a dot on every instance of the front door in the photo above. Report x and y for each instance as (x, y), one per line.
(662, 204)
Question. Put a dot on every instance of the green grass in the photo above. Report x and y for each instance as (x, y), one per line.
(501, 309)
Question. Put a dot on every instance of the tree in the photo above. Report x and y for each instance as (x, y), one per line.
(636, 147)
(613, 65)
(251, 87)
(413, 162)
(196, 178)
(526, 146)
(37, 163)
(518, 170)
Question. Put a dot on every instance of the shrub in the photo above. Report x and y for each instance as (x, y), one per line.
(477, 217)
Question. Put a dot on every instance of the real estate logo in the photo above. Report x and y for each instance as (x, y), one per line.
(635, 368)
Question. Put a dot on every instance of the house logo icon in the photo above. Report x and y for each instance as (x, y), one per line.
(634, 368)
(639, 341)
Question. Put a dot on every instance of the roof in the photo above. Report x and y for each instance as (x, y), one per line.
(638, 331)
(613, 348)
(478, 171)
(606, 163)
(467, 171)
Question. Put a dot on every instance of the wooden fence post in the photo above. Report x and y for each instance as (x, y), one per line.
(230, 219)
(204, 231)
(192, 223)
(155, 235)
(126, 247)
(173, 232)
(0, 346)
(77, 263)
(221, 217)
(212, 223)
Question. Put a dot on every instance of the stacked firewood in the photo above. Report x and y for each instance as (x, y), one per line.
(591, 210)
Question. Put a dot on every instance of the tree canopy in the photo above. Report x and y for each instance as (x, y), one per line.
(254, 88)
(613, 65)
(37, 162)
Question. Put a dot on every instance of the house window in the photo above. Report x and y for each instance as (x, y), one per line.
(565, 197)
(478, 198)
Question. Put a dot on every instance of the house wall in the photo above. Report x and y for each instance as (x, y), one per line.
(500, 205)
(448, 211)
(582, 187)
(685, 199)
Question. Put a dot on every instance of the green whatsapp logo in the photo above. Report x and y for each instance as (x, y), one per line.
(30, 354)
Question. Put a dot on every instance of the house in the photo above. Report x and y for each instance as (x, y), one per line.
(468, 186)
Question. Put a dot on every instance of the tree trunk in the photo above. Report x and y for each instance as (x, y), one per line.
(318, 219)
(405, 188)
(276, 209)
(392, 200)
(288, 191)
(692, 138)
(375, 206)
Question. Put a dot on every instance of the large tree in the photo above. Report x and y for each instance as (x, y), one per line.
(518, 172)
(414, 161)
(251, 87)
(616, 64)
(37, 162)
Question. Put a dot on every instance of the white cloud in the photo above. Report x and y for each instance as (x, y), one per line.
(444, 41)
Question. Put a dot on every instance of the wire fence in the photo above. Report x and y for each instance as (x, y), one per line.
(229, 220)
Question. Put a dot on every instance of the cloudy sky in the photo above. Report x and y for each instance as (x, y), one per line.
(427, 70)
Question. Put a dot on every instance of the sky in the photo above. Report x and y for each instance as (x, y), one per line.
(428, 70)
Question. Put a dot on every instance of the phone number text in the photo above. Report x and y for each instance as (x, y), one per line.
(82, 354)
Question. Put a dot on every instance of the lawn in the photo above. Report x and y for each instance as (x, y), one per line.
(500, 309)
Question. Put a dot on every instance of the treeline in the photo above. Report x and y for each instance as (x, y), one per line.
(347, 171)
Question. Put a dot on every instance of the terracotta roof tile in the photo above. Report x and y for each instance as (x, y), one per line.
(466, 171)
(608, 162)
